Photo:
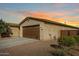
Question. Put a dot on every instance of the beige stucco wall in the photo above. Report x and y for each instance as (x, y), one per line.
(53, 30)
(46, 29)
(15, 31)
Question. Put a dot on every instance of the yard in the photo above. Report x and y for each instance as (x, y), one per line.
(30, 47)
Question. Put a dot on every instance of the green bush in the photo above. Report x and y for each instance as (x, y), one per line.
(58, 52)
(76, 38)
(67, 41)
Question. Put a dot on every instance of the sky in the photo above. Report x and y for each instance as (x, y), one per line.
(61, 12)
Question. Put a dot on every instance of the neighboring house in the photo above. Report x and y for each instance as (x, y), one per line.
(15, 29)
(43, 29)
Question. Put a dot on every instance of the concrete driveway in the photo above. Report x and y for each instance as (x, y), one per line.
(25, 47)
(10, 42)
(39, 48)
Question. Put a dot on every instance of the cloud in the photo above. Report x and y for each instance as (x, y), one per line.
(73, 17)
(74, 23)
(50, 15)
(11, 16)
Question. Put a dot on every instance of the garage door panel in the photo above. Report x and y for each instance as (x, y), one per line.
(31, 31)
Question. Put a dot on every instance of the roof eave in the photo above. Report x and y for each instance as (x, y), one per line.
(48, 21)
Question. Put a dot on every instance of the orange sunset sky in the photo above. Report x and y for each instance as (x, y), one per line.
(59, 12)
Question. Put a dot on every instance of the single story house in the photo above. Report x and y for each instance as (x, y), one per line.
(43, 29)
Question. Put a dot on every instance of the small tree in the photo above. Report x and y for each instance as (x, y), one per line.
(4, 29)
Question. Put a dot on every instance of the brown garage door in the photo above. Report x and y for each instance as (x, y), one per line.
(31, 31)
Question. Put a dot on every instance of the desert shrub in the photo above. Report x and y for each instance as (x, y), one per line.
(58, 52)
(76, 38)
(67, 41)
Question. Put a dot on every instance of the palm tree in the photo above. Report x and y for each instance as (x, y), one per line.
(4, 29)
